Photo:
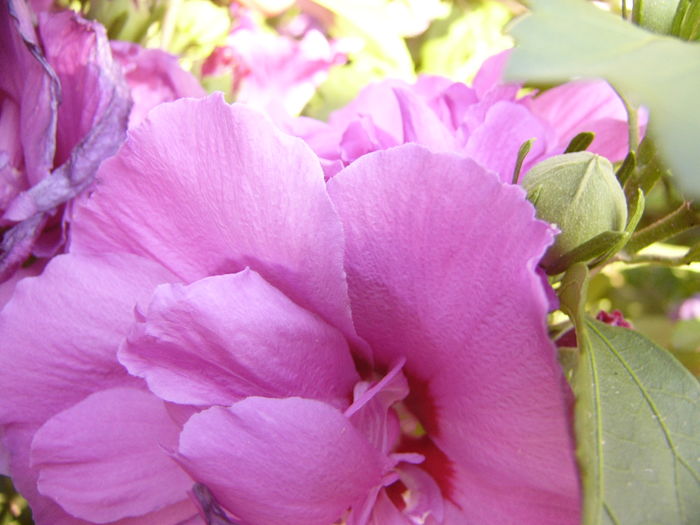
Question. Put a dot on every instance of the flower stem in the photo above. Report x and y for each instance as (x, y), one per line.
(684, 218)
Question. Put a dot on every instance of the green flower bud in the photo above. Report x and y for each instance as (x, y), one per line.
(655, 15)
(578, 192)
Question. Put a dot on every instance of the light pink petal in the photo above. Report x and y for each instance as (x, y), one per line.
(379, 102)
(386, 513)
(103, 459)
(7, 288)
(154, 77)
(421, 125)
(293, 461)
(489, 79)
(423, 496)
(46, 511)
(225, 190)
(590, 105)
(441, 261)
(495, 142)
(231, 336)
(362, 136)
(60, 332)
(370, 409)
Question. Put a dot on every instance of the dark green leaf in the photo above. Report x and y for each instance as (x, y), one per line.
(638, 431)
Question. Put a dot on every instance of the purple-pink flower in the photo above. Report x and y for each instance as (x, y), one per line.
(487, 122)
(372, 350)
(272, 72)
(63, 109)
(154, 77)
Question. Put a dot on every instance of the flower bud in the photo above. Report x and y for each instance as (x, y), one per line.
(655, 15)
(578, 192)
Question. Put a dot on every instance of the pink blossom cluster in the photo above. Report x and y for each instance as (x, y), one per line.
(66, 95)
(372, 350)
(487, 122)
(251, 328)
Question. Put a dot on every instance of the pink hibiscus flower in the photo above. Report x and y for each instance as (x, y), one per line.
(63, 109)
(154, 77)
(486, 122)
(277, 74)
(371, 351)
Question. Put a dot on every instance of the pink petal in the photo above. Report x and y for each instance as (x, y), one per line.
(441, 264)
(386, 513)
(495, 142)
(154, 76)
(421, 125)
(227, 337)
(103, 458)
(587, 105)
(199, 211)
(46, 511)
(28, 82)
(370, 412)
(92, 115)
(61, 331)
(293, 461)
(490, 78)
(7, 288)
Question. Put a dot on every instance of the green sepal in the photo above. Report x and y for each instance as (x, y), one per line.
(627, 168)
(524, 149)
(599, 246)
(580, 142)
(693, 254)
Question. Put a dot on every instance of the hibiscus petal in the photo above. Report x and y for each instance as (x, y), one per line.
(227, 337)
(92, 116)
(294, 461)
(61, 330)
(386, 513)
(154, 76)
(441, 269)
(45, 511)
(198, 212)
(103, 458)
(588, 105)
(28, 79)
(495, 142)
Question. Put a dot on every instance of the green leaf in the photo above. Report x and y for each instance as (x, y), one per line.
(457, 45)
(382, 40)
(563, 39)
(638, 431)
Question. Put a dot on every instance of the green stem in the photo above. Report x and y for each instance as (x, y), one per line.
(684, 218)
(632, 123)
(651, 259)
(169, 20)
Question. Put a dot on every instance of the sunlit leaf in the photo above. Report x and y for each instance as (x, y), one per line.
(638, 431)
(383, 39)
(457, 45)
(563, 39)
